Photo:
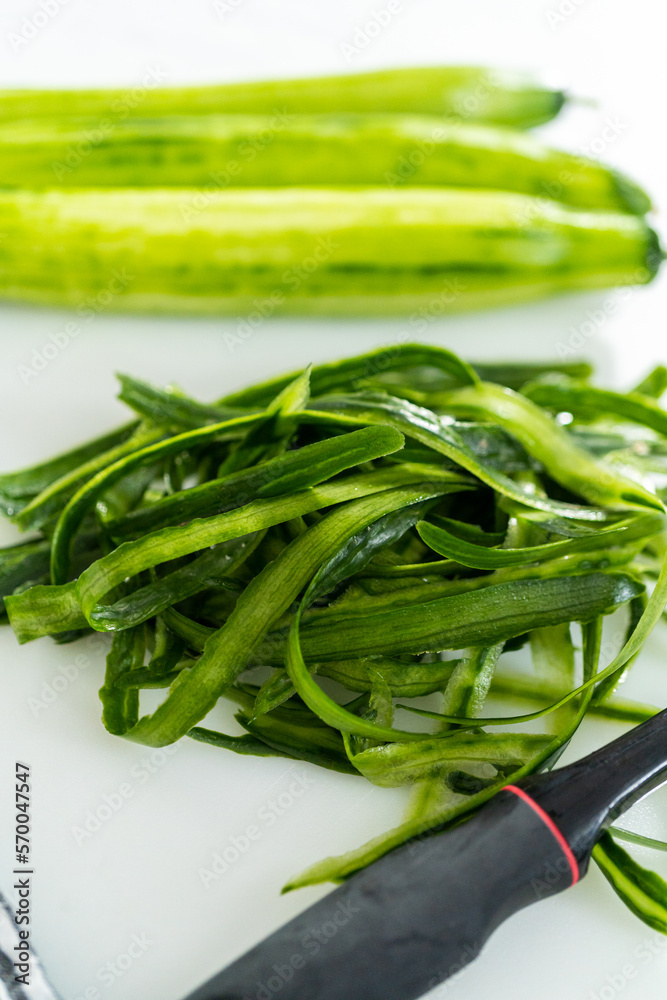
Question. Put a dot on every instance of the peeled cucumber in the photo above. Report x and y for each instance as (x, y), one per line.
(462, 93)
(317, 250)
(238, 150)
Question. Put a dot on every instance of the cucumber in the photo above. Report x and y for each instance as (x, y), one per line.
(479, 618)
(220, 151)
(465, 93)
(308, 250)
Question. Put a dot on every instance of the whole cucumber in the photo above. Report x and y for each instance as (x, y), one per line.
(316, 250)
(221, 151)
(465, 93)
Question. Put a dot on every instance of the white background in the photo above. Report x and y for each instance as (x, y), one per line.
(138, 874)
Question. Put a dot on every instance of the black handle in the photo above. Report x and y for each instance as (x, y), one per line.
(415, 917)
(419, 914)
(584, 798)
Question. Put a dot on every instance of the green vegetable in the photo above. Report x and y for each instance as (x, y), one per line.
(312, 250)
(300, 150)
(642, 891)
(590, 403)
(400, 523)
(17, 489)
(467, 93)
(485, 616)
(484, 557)
(434, 805)
(398, 191)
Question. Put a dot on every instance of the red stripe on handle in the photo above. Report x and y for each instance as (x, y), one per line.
(547, 820)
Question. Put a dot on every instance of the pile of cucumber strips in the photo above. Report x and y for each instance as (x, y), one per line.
(397, 566)
(368, 193)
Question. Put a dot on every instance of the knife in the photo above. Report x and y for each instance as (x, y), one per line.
(419, 914)
(11, 946)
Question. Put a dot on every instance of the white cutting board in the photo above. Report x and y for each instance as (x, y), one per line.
(123, 913)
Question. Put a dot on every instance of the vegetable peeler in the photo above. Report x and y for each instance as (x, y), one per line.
(419, 914)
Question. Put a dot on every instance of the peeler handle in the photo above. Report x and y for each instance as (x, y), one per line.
(414, 918)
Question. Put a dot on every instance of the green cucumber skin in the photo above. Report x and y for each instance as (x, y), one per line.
(464, 93)
(308, 250)
(479, 618)
(281, 150)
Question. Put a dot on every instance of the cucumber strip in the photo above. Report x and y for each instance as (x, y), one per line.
(481, 618)
(654, 385)
(27, 564)
(525, 688)
(352, 558)
(211, 569)
(44, 610)
(120, 704)
(15, 487)
(166, 544)
(305, 740)
(76, 509)
(246, 744)
(327, 378)
(296, 470)
(469, 684)
(262, 603)
(408, 680)
(393, 764)
(27, 561)
(545, 440)
(481, 557)
(272, 652)
(442, 436)
(337, 869)
(587, 402)
(170, 407)
(642, 891)
(52, 497)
